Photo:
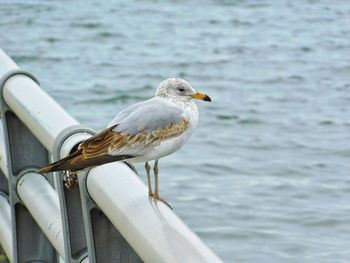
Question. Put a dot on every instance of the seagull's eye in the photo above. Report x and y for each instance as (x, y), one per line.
(181, 89)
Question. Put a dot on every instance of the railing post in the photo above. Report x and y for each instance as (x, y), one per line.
(24, 153)
(75, 242)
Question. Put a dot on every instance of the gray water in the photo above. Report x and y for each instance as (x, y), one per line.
(265, 178)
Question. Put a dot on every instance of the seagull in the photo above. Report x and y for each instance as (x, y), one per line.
(143, 132)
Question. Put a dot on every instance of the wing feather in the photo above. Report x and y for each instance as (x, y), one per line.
(115, 143)
(137, 128)
(132, 133)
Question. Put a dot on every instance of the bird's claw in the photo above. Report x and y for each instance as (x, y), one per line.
(157, 197)
(70, 180)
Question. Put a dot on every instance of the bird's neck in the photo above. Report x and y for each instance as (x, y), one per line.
(177, 101)
(189, 107)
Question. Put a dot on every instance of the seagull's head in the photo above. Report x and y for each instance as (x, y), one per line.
(180, 90)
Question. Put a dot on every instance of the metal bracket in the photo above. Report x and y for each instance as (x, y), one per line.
(15, 72)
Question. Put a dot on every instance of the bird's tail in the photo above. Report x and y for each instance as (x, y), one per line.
(67, 163)
(76, 161)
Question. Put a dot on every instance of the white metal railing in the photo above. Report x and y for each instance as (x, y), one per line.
(40, 199)
(3, 161)
(152, 230)
(5, 210)
(5, 229)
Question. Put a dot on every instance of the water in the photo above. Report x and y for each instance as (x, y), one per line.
(266, 176)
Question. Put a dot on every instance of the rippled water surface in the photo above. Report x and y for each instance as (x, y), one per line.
(266, 176)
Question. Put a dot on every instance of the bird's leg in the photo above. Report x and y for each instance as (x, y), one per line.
(155, 171)
(148, 169)
(156, 189)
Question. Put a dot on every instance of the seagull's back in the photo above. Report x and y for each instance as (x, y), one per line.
(166, 126)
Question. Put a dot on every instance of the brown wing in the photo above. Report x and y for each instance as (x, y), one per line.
(109, 140)
(96, 150)
(99, 144)
(91, 152)
(144, 140)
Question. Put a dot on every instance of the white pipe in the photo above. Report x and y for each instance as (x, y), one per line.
(6, 63)
(42, 202)
(153, 230)
(72, 141)
(3, 161)
(5, 209)
(5, 228)
(40, 112)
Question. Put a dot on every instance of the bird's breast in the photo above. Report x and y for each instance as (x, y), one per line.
(169, 146)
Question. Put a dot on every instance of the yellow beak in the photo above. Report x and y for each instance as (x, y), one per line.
(201, 96)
